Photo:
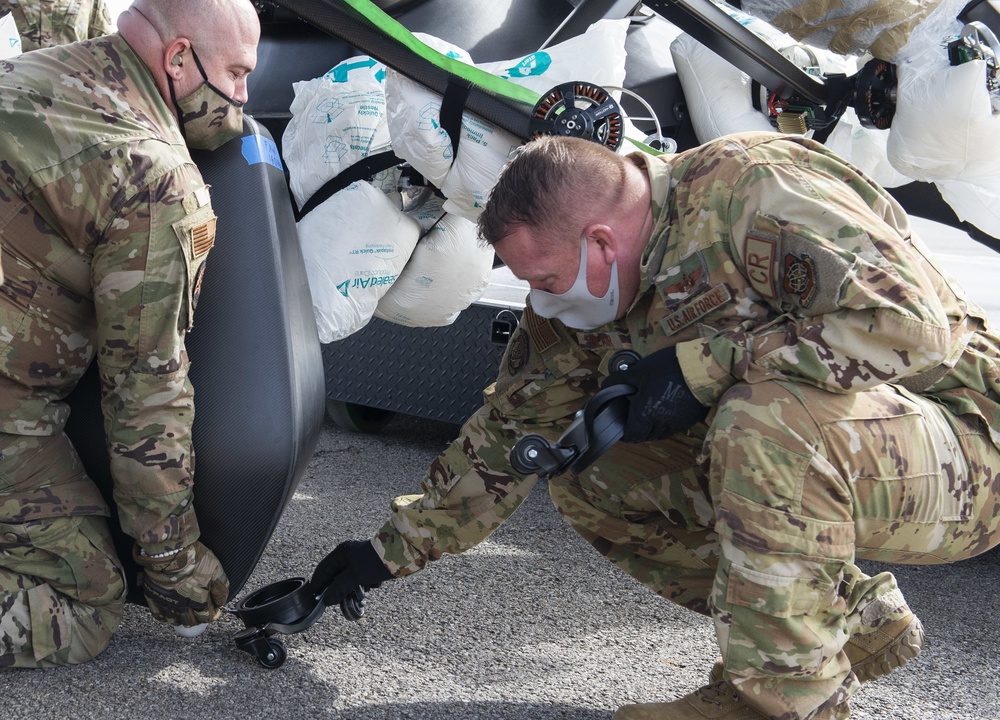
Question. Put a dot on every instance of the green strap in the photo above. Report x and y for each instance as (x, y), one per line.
(644, 147)
(480, 78)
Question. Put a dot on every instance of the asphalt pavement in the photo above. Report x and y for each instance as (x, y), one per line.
(531, 624)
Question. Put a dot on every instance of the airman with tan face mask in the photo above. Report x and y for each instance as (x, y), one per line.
(105, 224)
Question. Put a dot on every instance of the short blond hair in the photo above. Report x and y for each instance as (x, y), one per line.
(549, 179)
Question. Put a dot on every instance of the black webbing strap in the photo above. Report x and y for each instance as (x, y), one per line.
(361, 170)
(452, 106)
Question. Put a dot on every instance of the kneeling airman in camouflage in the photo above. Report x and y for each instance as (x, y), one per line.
(105, 223)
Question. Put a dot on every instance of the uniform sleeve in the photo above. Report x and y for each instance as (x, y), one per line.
(145, 276)
(854, 304)
(470, 488)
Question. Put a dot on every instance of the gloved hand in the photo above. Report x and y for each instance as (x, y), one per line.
(187, 588)
(350, 565)
(662, 404)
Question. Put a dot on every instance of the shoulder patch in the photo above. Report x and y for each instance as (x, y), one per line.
(517, 353)
(543, 335)
(759, 260)
(203, 237)
(800, 278)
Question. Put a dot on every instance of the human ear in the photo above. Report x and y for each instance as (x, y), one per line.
(606, 239)
(173, 58)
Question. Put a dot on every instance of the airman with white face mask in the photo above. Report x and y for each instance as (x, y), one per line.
(812, 389)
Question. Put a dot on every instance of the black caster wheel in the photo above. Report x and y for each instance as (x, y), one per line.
(353, 606)
(622, 360)
(275, 655)
(524, 455)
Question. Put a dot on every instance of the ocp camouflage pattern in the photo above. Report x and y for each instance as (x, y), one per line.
(800, 301)
(838, 294)
(44, 23)
(62, 591)
(99, 203)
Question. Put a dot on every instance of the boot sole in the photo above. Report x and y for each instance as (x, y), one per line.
(896, 655)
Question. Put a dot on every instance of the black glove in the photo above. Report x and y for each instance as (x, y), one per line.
(662, 404)
(350, 565)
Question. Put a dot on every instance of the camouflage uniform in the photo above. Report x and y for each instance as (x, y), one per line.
(44, 23)
(853, 389)
(104, 226)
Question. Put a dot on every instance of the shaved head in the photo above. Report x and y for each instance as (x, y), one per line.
(204, 22)
(169, 34)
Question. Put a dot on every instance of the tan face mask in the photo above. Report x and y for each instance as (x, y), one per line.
(208, 117)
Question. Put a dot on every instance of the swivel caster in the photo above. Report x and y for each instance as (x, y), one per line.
(274, 656)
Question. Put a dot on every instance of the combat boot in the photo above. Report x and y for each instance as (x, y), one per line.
(877, 653)
(881, 651)
(718, 701)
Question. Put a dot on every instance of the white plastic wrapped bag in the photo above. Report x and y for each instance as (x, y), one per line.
(866, 149)
(717, 93)
(355, 244)
(337, 120)
(468, 184)
(448, 271)
(944, 127)
(10, 38)
(597, 56)
(976, 203)
(413, 116)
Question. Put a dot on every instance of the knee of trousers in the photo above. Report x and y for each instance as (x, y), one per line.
(68, 585)
(41, 628)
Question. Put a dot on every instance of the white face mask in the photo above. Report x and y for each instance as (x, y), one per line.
(577, 307)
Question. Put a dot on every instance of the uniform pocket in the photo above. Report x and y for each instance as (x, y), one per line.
(542, 365)
(780, 622)
(196, 233)
(73, 555)
(914, 471)
(777, 595)
(59, 22)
